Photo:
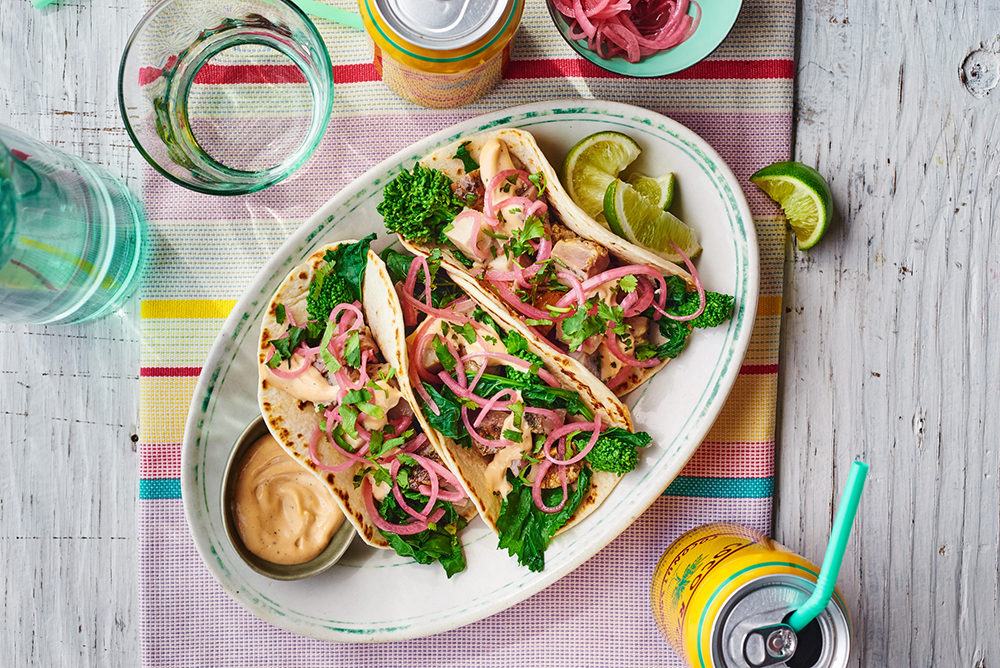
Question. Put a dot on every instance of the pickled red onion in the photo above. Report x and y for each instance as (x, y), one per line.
(611, 341)
(291, 375)
(563, 432)
(524, 309)
(398, 529)
(632, 29)
(499, 443)
(697, 285)
(352, 458)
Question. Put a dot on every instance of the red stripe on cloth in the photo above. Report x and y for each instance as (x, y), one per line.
(758, 369)
(711, 69)
(169, 371)
(159, 460)
(731, 460)
(519, 69)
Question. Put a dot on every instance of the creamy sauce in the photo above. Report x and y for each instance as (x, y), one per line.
(310, 386)
(496, 470)
(493, 159)
(283, 513)
(386, 395)
(495, 474)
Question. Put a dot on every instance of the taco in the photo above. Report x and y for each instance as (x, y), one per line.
(536, 449)
(335, 393)
(512, 237)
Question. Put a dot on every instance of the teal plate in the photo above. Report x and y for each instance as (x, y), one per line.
(717, 20)
(677, 407)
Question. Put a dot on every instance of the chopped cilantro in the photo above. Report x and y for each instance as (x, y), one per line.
(468, 163)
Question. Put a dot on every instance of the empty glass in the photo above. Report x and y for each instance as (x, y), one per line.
(226, 96)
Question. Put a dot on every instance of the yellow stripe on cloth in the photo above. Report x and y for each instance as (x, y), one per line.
(749, 413)
(163, 404)
(768, 305)
(159, 309)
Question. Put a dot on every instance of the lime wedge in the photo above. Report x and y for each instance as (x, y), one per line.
(633, 217)
(593, 163)
(803, 194)
(659, 191)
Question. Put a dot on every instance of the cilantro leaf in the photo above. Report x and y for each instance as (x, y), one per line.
(443, 354)
(279, 314)
(463, 154)
(538, 180)
(349, 415)
(352, 350)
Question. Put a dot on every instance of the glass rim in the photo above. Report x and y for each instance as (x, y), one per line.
(274, 174)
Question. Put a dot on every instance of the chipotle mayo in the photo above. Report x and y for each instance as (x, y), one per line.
(283, 512)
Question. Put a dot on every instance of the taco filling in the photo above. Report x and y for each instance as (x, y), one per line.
(321, 354)
(621, 320)
(527, 446)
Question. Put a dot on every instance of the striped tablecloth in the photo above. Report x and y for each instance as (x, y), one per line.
(205, 250)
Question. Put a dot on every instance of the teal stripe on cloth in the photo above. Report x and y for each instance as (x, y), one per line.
(159, 488)
(727, 488)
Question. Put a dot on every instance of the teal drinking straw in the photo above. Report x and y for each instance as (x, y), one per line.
(834, 550)
(41, 3)
(335, 14)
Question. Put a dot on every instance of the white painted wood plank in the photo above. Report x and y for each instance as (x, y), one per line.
(891, 329)
(69, 395)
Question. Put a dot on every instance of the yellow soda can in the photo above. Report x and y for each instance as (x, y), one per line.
(722, 595)
(441, 55)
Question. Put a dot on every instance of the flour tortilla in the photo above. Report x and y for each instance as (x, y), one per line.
(292, 421)
(526, 154)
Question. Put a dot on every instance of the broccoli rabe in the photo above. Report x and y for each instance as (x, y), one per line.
(325, 293)
(615, 450)
(517, 346)
(419, 205)
(718, 309)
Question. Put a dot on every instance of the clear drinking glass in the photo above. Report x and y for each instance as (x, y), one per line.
(71, 235)
(226, 96)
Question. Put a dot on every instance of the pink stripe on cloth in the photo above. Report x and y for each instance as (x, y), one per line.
(581, 621)
(731, 460)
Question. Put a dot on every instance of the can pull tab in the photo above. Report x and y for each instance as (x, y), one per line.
(769, 645)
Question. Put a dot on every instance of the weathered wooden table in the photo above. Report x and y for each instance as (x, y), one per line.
(890, 350)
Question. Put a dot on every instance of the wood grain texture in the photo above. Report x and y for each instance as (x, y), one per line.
(891, 334)
(69, 395)
(889, 354)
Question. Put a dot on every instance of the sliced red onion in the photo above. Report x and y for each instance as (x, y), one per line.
(499, 178)
(524, 309)
(291, 375)
(398, 529)
(697, 285)
(536, 487)
(611, 341)
(563, 433)
(499, 443)
(352, 458)
(493, 403)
